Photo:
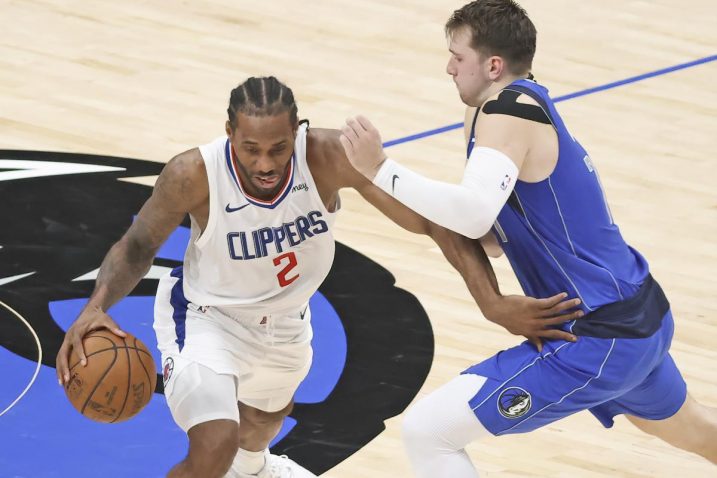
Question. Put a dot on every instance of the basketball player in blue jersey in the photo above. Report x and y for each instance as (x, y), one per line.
(534, 194)
(233, 323)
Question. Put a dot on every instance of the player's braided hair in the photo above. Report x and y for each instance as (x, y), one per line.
(264, 96)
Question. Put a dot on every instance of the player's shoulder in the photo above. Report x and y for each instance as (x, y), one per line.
(513, 104)
(185, 175)
(323, 146)
(187, 164)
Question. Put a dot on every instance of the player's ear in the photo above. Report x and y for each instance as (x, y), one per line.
(496, 66)
(228, 128)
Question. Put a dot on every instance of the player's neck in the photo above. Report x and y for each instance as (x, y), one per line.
(499, 85)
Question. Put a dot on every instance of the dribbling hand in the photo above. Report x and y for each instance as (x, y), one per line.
(91, 318)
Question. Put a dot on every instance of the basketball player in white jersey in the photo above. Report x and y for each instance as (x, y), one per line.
(233, 323)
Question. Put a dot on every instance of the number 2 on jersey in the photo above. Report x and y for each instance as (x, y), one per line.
(283, 273)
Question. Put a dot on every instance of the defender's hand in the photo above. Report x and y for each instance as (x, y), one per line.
(91, 318)
(533, 318)
(363, 147)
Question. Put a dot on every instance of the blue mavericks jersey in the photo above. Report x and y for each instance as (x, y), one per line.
(559, 235)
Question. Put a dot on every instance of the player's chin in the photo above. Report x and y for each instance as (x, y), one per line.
(267, 186)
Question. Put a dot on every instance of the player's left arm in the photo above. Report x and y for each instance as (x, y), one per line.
(469, 208)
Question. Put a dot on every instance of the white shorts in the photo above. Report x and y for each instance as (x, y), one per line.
(266, 356)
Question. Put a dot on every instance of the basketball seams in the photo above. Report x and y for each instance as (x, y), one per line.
(106, 379)
(99, 381)
(112, 348)
(128, 389)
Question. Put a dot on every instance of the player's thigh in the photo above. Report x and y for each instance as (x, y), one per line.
(197, 394)
(692, 425)
(261, 418)
(659, 396)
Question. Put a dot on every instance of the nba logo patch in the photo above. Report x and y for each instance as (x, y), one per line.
(167, 370)
(506, 182)
(514, 402)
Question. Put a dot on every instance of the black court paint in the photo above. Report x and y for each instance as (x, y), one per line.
(59, 228)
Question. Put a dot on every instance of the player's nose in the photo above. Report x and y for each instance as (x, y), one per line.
(265, 165)
(450, 69)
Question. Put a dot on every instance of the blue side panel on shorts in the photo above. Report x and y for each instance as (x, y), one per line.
(179, 304)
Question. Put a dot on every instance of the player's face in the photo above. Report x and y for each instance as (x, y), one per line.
(263, 145)
(468, 68)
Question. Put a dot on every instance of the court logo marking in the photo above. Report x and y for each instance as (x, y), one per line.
(67, 210)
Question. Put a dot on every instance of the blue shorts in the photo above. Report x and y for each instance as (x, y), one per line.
(526, 389)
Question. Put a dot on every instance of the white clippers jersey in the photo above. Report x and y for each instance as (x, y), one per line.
(264, 256)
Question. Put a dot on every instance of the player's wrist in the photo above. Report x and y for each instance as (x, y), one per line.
(490, 305)
(383, 173)
(373, 173)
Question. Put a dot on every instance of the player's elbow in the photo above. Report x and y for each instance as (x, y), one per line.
(476, 229)
(476, 220)
(473, 215)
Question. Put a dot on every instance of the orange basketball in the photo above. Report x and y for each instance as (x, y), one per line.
(118, 380)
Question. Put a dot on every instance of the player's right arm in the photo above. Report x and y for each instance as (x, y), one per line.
(527, 316)
(488, 241)
(181, 188)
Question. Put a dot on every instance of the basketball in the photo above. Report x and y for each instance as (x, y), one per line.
(118, 380)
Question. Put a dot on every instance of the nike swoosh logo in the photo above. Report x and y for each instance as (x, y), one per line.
(235, 209)
(393, 183)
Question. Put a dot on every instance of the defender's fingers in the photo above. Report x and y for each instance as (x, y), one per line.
(350, 132)
(366, 124)
(537, 342)
(563, 306)
(554, 334)
(560, 319)
(549, 302)
(347, 145)
(356, 126)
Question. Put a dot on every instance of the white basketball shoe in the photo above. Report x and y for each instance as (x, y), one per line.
(276, 467)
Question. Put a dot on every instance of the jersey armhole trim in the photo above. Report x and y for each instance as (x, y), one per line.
(212, 219)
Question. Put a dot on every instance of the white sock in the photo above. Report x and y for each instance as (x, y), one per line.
(249, 462)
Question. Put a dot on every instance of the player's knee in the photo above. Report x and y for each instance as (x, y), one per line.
(443, 422)
(416, 429)
(212, 447)
(260, 418)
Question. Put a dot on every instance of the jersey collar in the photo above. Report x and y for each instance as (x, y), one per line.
(270, 204)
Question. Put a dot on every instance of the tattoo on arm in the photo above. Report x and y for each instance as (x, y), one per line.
(131, 257)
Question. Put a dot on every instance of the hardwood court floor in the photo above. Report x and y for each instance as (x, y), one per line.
(150, 79)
